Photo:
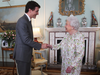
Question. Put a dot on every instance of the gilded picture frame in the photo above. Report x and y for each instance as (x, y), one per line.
(78, 7)
(9, 16)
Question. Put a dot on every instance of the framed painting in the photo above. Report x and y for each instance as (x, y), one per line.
(75, 7)
(9, 17)
(4, 43)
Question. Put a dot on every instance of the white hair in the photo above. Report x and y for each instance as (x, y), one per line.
(74, 22)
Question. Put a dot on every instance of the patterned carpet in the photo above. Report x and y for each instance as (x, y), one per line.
(7, 72)
(83, 73)
(38, 72)
(80, 74)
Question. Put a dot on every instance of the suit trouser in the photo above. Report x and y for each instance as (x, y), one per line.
(23, 68)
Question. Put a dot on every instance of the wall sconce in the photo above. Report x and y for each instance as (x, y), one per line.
(36, 33)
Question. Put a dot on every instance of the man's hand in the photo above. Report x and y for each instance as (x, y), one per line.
(49, 46)
(44, 46)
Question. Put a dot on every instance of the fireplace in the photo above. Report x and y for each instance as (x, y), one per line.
(85, 54)
(56, 35)
(59, 58)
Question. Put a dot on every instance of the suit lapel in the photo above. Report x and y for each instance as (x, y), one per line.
(29, 26)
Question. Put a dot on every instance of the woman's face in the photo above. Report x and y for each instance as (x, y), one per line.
(68, 27)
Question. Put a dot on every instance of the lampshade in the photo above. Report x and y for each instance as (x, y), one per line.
(36, 33)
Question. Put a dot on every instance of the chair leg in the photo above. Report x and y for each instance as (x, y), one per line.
(41, 70)
(46, 66)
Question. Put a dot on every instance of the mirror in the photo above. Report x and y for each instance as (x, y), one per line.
(75, 7)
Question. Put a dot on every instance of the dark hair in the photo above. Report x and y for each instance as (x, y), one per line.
(31, 5)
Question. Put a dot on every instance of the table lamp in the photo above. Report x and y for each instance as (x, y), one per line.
(36, 33)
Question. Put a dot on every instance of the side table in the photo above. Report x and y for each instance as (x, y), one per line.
(5, 49)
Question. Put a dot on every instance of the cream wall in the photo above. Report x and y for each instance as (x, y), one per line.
(53, 5)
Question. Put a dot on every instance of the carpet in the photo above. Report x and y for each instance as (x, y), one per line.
(59, 74)
(38, 72)
(10, 72)
(80, 74)
(7, 72)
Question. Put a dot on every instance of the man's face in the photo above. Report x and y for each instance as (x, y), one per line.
(34, 12)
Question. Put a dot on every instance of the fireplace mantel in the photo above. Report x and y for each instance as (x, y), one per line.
(80, 29)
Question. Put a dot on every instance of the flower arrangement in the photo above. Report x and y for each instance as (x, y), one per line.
(9, 36)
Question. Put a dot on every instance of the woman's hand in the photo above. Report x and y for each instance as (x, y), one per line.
(68, 70)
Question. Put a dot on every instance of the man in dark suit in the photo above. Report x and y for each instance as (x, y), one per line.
(24, 39)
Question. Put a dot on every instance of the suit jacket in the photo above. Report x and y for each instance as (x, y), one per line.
(24, 40)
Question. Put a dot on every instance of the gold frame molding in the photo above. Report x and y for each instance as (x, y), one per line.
(71, 12)
(12, 6)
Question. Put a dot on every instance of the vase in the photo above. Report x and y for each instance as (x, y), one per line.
(9, 44)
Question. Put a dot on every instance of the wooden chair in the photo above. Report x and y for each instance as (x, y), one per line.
(36, 62)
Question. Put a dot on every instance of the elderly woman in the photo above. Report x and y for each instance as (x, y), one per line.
(72, 48)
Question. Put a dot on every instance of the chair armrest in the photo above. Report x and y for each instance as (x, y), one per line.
(40, 54)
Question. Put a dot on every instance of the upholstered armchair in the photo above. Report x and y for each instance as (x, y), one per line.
(36, 62)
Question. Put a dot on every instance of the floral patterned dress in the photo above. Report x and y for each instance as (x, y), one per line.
(72, 52)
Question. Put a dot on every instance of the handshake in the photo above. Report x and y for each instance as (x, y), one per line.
(44, 46)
